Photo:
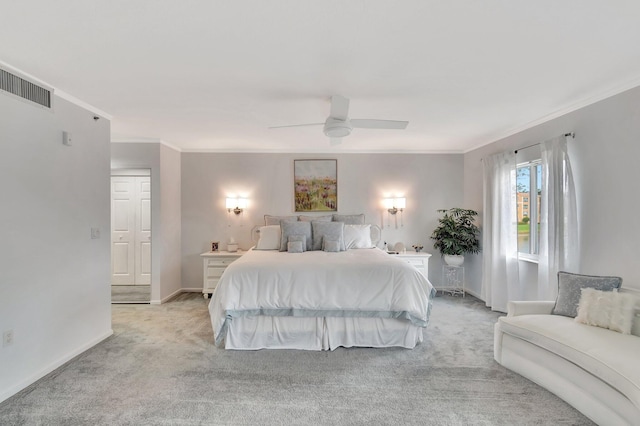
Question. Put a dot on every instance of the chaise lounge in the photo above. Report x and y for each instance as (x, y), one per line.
(593, 368)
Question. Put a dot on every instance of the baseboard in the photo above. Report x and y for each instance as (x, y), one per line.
(166, 299)
(175, 293)
(56, 364)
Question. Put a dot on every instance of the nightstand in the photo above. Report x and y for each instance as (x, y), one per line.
(214, 264)
(419, 260)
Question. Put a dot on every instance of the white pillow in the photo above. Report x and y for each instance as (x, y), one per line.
(269, 238)
(607, 309)
(357, 236)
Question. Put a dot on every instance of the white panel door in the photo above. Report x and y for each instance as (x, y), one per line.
(122, 231)
(143, 231)
(130, 230)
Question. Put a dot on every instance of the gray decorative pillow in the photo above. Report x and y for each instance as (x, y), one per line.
(570, 287)
(302, 239)
(295, 247)
(330, 245)
(294, 228)
(349, 219)
(275, 220)
(328, 230)
(326, 218)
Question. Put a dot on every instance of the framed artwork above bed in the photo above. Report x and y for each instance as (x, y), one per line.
(315, 185)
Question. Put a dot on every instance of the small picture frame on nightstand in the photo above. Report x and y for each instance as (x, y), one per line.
(215, 246)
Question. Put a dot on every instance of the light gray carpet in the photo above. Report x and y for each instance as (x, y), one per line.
(130, 293)
(161, 368)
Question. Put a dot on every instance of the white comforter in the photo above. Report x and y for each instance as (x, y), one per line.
(355, 283)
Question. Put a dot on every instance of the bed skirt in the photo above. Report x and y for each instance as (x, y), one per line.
(320, 333)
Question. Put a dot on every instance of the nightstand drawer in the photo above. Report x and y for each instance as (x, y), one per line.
(220, 262)
(418, 263)
(214, 272)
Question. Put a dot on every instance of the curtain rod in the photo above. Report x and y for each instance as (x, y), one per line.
(566, 135)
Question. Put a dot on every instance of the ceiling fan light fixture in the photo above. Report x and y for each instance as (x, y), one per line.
(335, 128)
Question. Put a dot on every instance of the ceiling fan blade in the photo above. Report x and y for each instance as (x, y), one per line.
(296, 125)
(364, 123)
(339, 107)
(335, 141)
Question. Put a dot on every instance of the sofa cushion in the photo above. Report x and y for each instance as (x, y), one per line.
(612, 357)
(570, 285)
(607, 309)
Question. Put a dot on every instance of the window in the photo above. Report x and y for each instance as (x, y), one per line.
(529, 183)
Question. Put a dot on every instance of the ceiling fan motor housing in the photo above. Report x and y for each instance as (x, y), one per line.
(335, 128)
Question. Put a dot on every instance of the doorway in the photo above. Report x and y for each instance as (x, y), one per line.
(131, 236)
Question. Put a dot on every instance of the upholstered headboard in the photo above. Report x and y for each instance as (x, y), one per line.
(376, 234)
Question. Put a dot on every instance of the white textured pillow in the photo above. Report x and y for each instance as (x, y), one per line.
(357, 236)
(635, 329)
(607, 309)
(269, 238)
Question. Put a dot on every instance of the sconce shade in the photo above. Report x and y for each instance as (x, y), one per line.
(395, 203)
(242, 203)
(237, 205)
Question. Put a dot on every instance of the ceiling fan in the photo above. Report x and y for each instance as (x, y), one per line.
(339, 125)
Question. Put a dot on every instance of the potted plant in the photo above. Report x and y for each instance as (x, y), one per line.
(456, 235)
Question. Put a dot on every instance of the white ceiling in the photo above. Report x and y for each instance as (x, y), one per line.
(206, 75)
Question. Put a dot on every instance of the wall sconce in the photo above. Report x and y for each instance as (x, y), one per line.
(393, 206)
(236, 205)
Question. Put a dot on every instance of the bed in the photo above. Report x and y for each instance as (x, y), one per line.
(320, 300)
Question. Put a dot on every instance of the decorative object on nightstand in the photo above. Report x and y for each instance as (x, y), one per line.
(215, 246)
(399, 248)
(232, 246)
(456, 235)
(214, 264)
(417, 247)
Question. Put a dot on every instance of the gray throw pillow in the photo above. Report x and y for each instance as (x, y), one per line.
(287, 229)
(302, 239)
(329, 230)
(295, 247)
(570, 287)
(331, 245)
(349, 219)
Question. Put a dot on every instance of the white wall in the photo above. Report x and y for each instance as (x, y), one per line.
(429, 182)
(54, 284)
(164, 163)
(604, 158)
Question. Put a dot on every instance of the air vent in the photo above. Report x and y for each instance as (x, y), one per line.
(25, 89)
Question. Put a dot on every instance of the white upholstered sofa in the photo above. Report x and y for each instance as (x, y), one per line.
(594, 369)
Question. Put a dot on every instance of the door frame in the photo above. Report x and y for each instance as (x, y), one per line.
(138, 172)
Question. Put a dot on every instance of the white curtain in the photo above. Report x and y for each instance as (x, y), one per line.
(559, 246)
(500, 277)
